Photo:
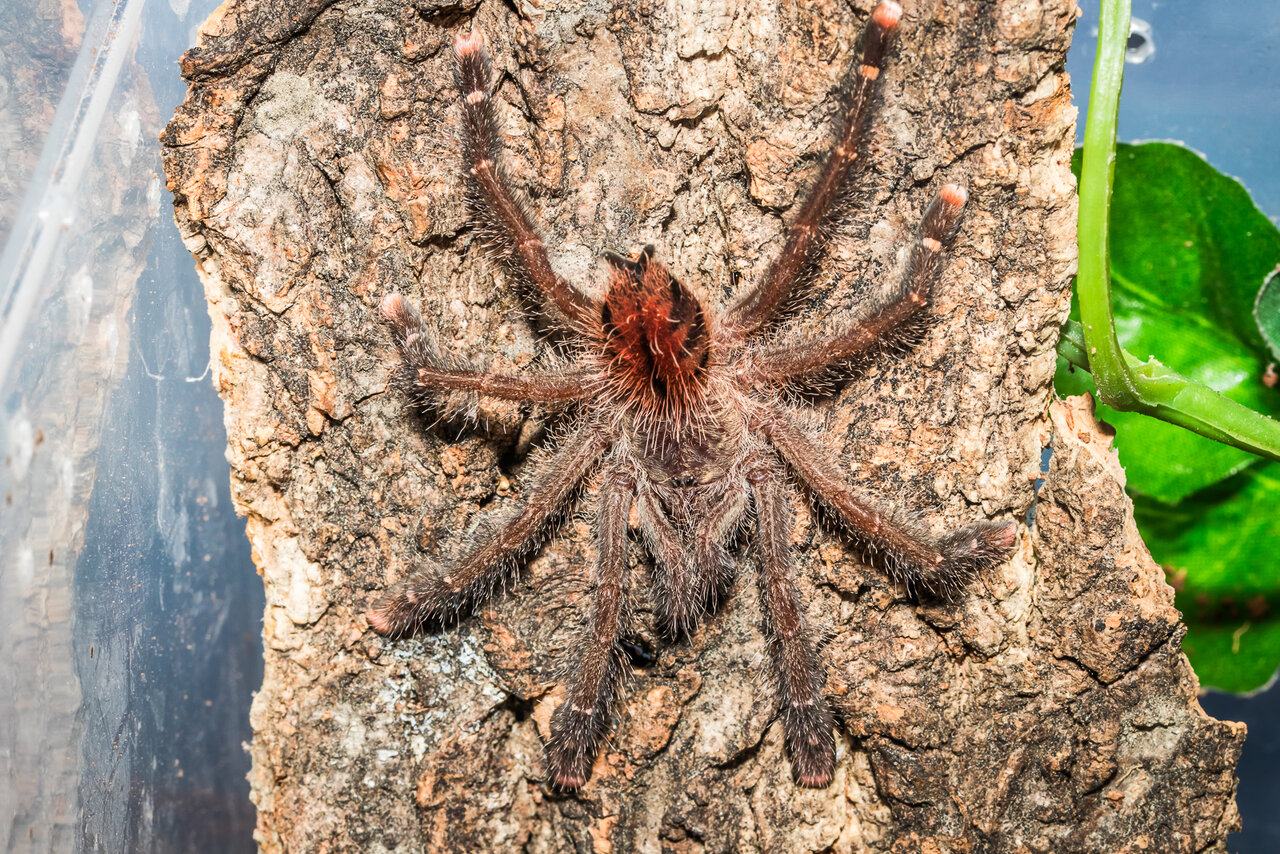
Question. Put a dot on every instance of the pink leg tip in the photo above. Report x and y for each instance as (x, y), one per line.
(816, 780)
(954, 195)
(466, 44)
(570, 780)
(378, 621)
(392, 305)
(887, 14)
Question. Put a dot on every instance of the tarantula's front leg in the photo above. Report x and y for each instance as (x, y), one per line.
(759, 304)
(937, 230)
(912, 556)
(507, 224)
(806, 717)
(427, 372)
(427, 597)
(581, 721)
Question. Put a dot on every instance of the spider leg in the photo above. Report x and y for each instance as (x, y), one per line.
(505, 218)
(910, 295)
(688, 580)
(912, 556)
(428, 372)
(581, 721)
(427, 597)
(759, 304)
(806, 718)
(676, 597)
(717, 521)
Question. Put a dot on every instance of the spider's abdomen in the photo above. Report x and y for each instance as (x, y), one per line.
(655, 337)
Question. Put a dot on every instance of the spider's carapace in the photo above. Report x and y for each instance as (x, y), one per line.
(654, 338)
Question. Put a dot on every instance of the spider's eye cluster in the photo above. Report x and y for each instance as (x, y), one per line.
(655, 332)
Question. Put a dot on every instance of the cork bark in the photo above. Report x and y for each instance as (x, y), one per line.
(314, 167)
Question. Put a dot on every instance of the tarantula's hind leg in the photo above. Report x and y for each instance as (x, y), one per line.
(428, 597)
(690, 575)
(806, 718)
(582, 720)
(911, 555)
(680, 597)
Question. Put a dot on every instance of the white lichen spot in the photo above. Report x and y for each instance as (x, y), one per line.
(293, 581)
(22, 446)
(713, 736)
(26, 572)
(79, 303)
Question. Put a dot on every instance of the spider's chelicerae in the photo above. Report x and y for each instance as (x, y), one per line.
(676, 406)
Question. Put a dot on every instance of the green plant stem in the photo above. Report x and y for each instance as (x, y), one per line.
(1171, 397)
(1123, 382)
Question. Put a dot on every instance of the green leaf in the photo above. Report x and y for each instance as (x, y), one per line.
(1224, 538)
(1161, 461)
(1218, 548)
(1239, 658)
(1266, 311)
(1189, 250)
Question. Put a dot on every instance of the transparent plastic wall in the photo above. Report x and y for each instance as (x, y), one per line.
(129, 608)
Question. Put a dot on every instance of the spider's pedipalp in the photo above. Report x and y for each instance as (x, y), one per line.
(430, 375)
(807, 721)
(895, 311)
(759, 304)
(427, 597)
(506, 222)
(583, 719)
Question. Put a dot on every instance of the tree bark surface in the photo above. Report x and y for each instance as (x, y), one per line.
(315, 167)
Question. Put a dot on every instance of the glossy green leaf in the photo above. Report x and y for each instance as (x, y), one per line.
(1189, 254)
(1189, 251)
(1161, 460)
(1238, 657)
(1218, 548)
(1266, 312)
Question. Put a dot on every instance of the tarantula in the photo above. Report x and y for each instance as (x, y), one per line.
(677, 406)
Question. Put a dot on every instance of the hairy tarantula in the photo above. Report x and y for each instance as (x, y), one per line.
(676, 405)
